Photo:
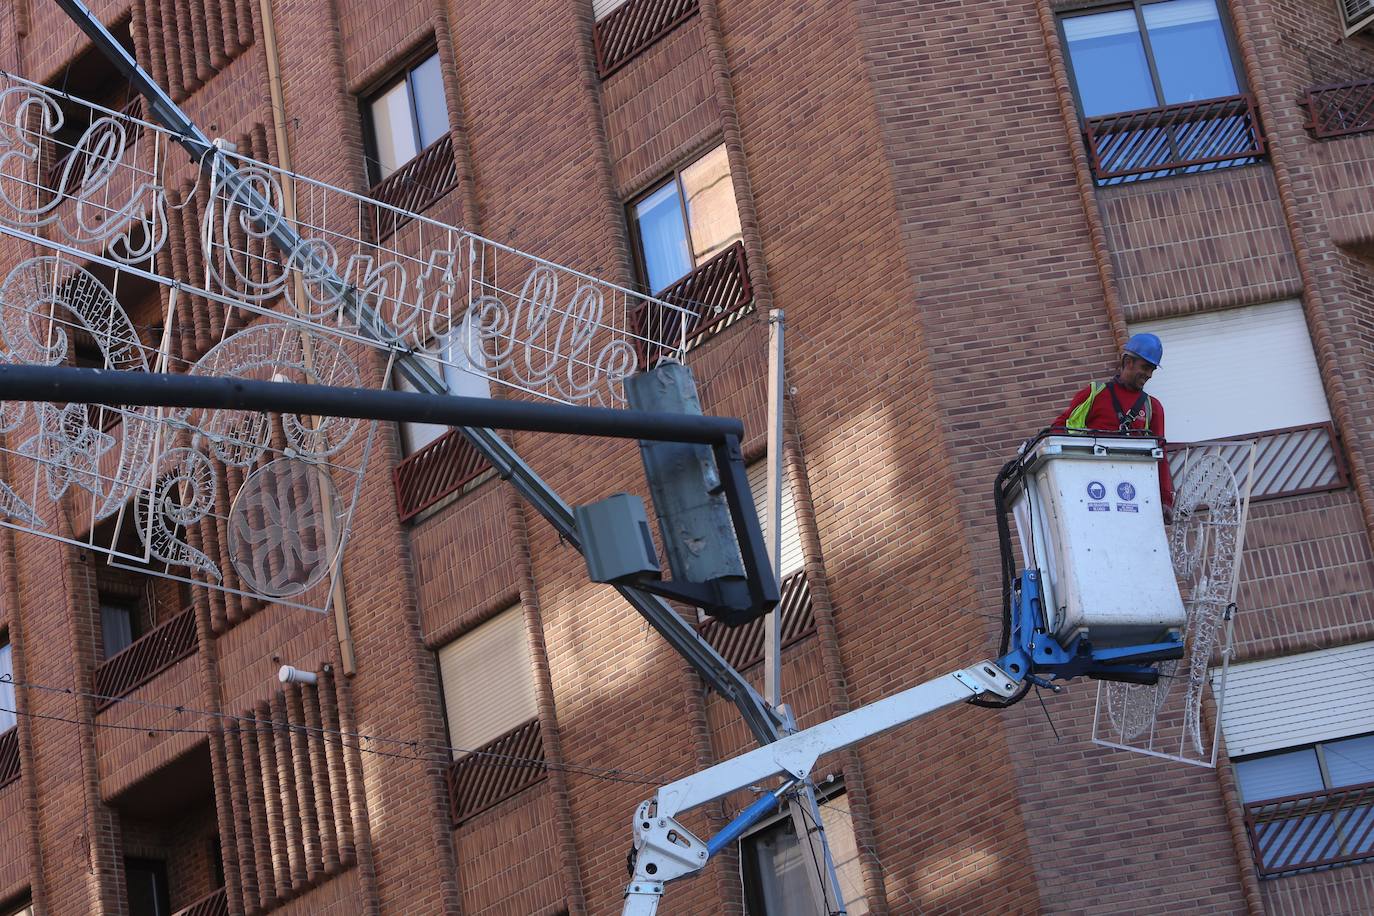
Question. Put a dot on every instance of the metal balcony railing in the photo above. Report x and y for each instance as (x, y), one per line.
(1340, 109)
(496, 771)
(1288, 462)
(742, 646)
(9, 756)
(635, 26)
(436, 471)
(215, 903)
(414, 186)
(716, 293)
(1317, 830)
(147, 657)
(1188, 137)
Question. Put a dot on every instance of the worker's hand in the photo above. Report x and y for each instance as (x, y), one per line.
(1168, 515)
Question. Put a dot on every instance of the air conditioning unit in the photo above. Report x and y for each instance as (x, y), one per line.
(1356, 15)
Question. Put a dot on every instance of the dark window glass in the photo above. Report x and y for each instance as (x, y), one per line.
(118, 625)
(146, 887)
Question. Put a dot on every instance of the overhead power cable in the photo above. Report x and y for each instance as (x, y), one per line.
(415, 748)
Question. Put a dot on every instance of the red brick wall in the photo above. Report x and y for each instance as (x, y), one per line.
(1202, 241)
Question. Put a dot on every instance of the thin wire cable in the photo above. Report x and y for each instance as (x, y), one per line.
(608, 773)
(812, 824)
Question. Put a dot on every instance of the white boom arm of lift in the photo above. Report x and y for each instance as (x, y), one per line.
(665, 850)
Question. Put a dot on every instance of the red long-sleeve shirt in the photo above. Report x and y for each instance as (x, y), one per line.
(1102, 416)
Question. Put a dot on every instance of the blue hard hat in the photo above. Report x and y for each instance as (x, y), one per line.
(1146, 346)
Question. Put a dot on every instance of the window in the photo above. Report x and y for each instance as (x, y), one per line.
(488, 681)
(405, 117)
(792, 559)
(1281, 407)
(685, 221)
(8, 716)
(120, 624)
(146, 886)
(1305, 764)
(463, 368)
(1204, 354)
(1150, 54)
(23, 909)
(773, 865)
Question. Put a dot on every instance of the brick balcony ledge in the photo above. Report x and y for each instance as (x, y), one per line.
(147, 657)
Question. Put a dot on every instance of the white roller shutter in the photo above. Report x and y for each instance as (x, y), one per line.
(792, 559)
(1245, 370)
(603, 8)
(488, 681)
(1298, 699)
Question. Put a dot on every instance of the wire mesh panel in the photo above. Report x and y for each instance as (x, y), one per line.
(248, 271)
(1208, 532)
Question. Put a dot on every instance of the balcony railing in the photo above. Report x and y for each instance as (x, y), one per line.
(1288, 462)
(436, 471)
(131, 109)
(496, 771)
(414, 186)
(635, 26)
(215, 903)
(147, 657)
(716, 293)
(1301, 832)
(9, 756)
(742, 646)
(1188, 137)
(1340, 109)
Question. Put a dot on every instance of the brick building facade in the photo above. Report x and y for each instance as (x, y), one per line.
(959, 241)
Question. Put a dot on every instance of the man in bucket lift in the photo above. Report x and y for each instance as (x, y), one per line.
(1122, 404)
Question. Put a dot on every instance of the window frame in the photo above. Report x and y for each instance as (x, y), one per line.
(674, 176)
(1138, 8)
(1318, 747)
(824, 794)
(402, 73)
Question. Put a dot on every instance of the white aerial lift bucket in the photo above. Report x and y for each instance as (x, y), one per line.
(1088, 516)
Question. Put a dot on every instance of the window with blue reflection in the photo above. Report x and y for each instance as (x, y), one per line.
(1148, 55)
(663, 237)
(1190, 50)
(1109, 63)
